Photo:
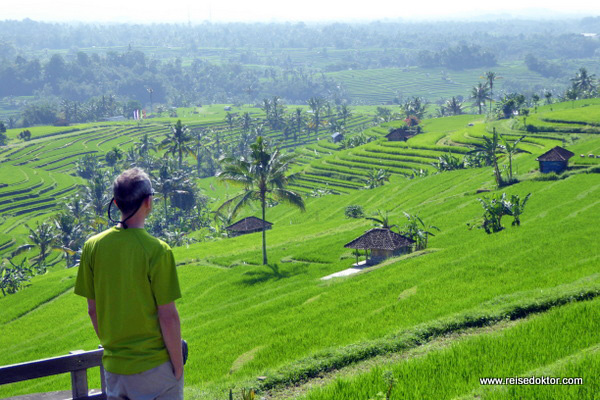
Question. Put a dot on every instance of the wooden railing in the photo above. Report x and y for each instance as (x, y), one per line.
(76, 363)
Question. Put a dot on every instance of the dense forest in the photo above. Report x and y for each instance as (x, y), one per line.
(185, 64)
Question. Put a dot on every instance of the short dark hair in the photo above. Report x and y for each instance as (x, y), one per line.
(130, 188)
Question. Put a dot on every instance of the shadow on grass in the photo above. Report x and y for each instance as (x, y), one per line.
(272, 272)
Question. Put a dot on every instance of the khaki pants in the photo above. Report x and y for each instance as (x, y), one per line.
(157, 383)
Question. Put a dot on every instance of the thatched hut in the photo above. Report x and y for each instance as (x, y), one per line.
(400, 135)
(248, 225)
(554, 160)
(337, 137)
(382, 243)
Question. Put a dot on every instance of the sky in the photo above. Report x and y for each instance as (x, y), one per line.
(144, 11)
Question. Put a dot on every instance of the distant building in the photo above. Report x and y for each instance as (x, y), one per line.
(554, 160)
(383, 243)
(227, 108)
(337, 137)
(248, 225)
(400, 135)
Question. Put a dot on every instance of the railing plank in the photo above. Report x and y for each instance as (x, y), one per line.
(50, 366)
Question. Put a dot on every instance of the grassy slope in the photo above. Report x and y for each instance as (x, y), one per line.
(561, 343)
(247, 320)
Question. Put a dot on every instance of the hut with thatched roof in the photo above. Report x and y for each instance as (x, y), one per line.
(337, 137)
(248, 225)
(400, 135)
(382, 243)
(554, 160)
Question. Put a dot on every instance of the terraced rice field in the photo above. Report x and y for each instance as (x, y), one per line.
(36, 176)
(381, 86)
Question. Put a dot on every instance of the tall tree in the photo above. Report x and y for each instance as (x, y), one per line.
(43, 237)
(316, 105)
(583, 82)
(488, 150)
(262, 176)
(454, 106)
(480, 94)
(298, 121)
(511, 148)
(177, 143)
(490, 78)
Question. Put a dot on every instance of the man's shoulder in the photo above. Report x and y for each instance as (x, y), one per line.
(99, 236)
(153, 242)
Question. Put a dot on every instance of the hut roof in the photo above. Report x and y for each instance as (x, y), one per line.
(337, 134)
(401, 132)
(249, 224)
(379, 238)
(556, 154)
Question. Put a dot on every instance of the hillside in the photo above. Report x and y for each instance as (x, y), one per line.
(523, 294)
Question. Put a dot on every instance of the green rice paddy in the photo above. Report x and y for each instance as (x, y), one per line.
(244, 321)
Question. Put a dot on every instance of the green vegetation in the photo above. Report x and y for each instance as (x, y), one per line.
(244, 320)
(562, 340)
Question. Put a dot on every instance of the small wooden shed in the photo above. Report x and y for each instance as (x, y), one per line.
(382, 243)
(248, 225)
(337, 137)
(400, 135)
(554, 160)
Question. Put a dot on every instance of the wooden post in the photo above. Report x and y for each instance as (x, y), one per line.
(102, 377)
(79, 383)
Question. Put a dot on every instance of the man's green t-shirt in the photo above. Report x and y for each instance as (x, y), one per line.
(128, 273)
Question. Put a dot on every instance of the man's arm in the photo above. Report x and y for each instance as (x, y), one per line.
(93, 316)
(168, 317)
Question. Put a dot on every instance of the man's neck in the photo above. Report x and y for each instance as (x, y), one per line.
(137, 221)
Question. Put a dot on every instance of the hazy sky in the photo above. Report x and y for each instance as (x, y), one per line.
(278, 10)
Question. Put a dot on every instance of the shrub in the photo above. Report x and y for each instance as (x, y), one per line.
(551, 176)
(354, 211)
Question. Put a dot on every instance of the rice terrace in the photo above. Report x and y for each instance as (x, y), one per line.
(404, 248)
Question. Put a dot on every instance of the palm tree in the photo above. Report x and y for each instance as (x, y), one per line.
(415, 106)
(382, 220)
(298, 120)
(144, 145)
(246, 122)
(43, 237)
(583, 82)
(535, 98)
(262, 176)
(572, 95)
(113, 156)
(70, 234)
(491, 77)
(454, 106)
(345, 112)
(548, 96)
(316, 105)
(96, 193)
(488, 150)
(177, 142)
(164, 184)
(511, 148)
(480, 94)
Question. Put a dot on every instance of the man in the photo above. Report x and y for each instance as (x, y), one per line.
(131, 284)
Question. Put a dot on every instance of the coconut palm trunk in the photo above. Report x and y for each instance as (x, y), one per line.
(264, 230)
